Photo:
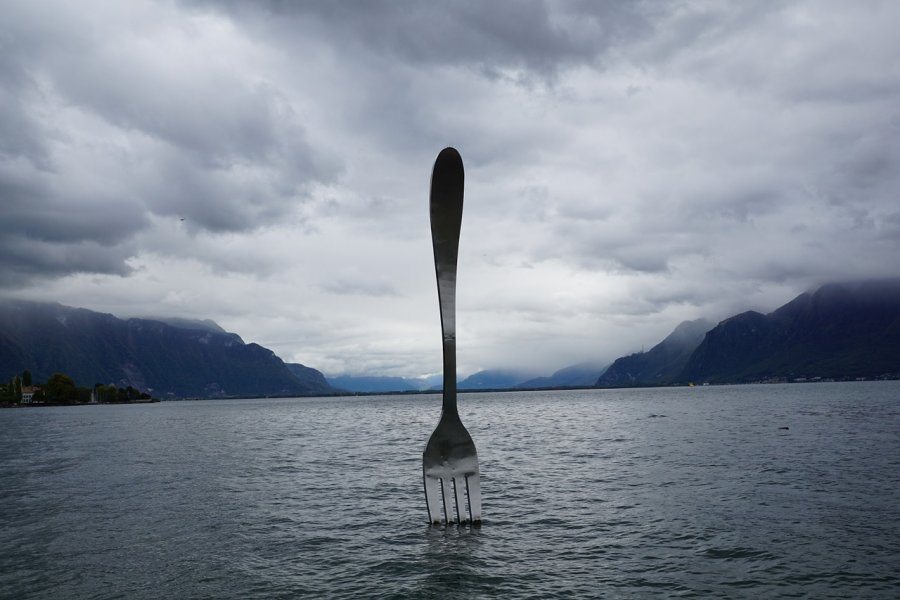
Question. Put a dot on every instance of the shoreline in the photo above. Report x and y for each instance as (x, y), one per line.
(470, 391)
(535, 389)
(56, 404)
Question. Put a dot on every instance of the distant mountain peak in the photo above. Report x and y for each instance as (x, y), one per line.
(583, 374)
(662, 363)
(495, 379)
(687, 331)
(181, 323)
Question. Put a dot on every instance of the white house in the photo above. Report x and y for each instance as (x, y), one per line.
(28, 392)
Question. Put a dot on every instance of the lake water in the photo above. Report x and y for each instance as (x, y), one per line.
(674, 492)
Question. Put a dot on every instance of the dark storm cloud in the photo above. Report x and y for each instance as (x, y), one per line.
(34, 209)
(102, 127)
(532, 35)
(215, 121)
(20, 134)
(26, 259)
(417, 76)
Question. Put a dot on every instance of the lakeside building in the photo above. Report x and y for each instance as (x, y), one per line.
(28, 393)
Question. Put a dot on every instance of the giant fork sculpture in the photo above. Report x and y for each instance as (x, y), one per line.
(449, 463)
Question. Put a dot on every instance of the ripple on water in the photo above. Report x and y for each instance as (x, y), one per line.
(621, 493)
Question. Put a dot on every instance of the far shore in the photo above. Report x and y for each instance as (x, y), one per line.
(347, 394)
(45, 404)
(466, 391)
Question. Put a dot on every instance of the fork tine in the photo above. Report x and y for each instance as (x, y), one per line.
(445, 498)
(473, 487)
(459, 499)
(431, 499)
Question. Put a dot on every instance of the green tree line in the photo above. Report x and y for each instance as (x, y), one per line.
(61, 389)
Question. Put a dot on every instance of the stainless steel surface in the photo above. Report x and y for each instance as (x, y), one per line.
(450, 462)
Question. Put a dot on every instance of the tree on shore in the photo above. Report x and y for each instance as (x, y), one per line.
(60, 388)
(6, 393)
(105, 393)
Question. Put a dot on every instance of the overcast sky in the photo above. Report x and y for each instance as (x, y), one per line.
(629, 165)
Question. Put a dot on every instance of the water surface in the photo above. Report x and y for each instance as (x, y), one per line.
(677, 492)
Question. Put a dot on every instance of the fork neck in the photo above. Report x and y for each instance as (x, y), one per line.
(449, 403)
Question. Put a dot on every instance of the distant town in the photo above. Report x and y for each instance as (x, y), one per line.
(61, 390)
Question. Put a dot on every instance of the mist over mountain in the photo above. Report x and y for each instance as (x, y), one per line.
(371, 384)
(185, 359)
(201, 324)
(580, 375)
(495, 379)
(843, 330)
(840, 331)
(663, 363)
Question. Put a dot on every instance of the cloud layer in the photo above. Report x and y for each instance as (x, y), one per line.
(629, 165)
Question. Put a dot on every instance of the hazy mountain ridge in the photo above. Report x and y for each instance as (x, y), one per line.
(311, 377)
(663, 363)
(842, 330)
(201, 324)
(373, 384)
(495, 379)
(580, 375)
(169, 361)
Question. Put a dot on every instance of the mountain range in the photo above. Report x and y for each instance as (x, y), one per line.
(580, 375)
(373, 384)
(663, 363)
(840, 331)
(177, 358)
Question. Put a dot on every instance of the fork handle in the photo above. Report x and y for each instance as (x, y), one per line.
(446, 204)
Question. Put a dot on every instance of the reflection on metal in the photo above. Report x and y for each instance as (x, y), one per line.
(449, 463)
